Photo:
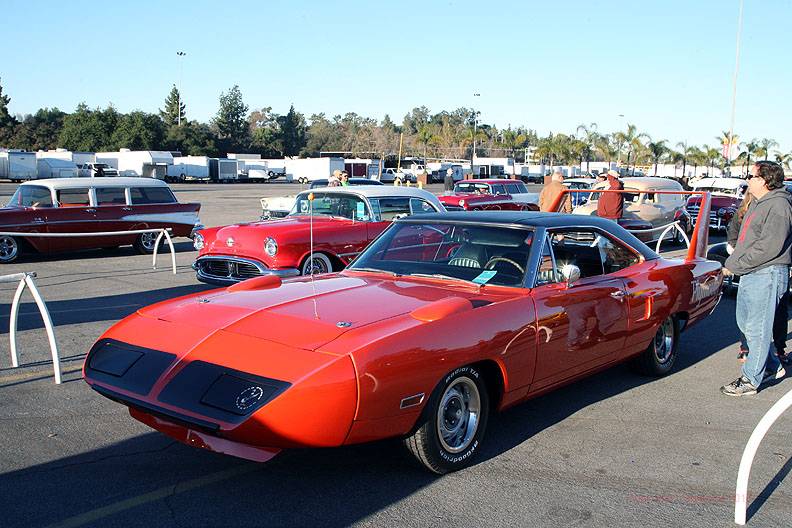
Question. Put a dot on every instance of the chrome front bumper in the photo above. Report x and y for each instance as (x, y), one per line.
(225, 270)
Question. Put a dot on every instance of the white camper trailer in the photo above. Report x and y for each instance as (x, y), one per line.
(310, 169)
(78, 158)
(141, 163)
(55, 168)
(16, 165)
(189, 168)
(223, 170)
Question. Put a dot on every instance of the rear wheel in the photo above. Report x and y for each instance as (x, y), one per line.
(659, 357)
(144, 244)
(453, 423)
(9, 249)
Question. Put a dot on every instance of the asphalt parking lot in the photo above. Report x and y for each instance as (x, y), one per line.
(614, 449)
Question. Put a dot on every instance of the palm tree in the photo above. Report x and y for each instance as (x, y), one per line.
(750, 149)
(676, 159)
(712, 155)
(783, 159)
(697, 157)
(765, 144)
(632, 138)
(657, 149)
(590, 138)
(606, 146)
(685, 153)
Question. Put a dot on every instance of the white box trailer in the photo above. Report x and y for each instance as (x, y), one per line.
(238, 156)
(189, 168)
(78, 158)
(56, 168)
(140, 163)
(18, 165)
(493, 167)
(223, 170)
(309, 169)
(258, 169)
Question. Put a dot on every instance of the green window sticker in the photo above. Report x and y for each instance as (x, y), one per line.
(485, 276)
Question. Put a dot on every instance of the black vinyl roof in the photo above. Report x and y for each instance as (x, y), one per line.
(536, 219)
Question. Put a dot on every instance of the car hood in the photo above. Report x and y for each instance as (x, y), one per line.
(303, 313)
(717, 202)
(248, 238)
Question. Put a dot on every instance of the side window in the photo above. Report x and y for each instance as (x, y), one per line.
(594, 253)
(389, 208)
(546, 274)
(615, 256)
(513, 188)
(418, 206)
(151, 195)
(497, 189)
(33, 196)
(73, 198)
(652, 198)
(110, 196)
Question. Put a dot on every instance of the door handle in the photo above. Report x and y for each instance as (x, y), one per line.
(618, 294)
(90, 210)
(126, 208)
(38, 220)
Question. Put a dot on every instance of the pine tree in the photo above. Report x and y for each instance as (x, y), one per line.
(174, 109)
(6, 119)
(231, 122)
(292, 127)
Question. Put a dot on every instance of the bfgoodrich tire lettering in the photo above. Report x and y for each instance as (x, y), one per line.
(453, 424)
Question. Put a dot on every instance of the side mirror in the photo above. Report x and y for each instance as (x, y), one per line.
(570, 274)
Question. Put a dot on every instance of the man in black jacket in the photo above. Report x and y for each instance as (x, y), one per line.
(761, 258)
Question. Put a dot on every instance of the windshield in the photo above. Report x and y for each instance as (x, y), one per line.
(348, 206)
(468, 187)
(478, 254)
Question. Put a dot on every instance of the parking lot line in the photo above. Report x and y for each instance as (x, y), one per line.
(153, 496)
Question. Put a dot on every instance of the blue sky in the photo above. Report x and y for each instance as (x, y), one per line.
(549, 65)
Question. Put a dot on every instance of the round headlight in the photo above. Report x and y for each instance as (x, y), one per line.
(270, 246)
(198, 241)
(721, 212)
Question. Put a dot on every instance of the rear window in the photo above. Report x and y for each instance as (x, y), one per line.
(110, 196)
(151, 195)
(73, 197)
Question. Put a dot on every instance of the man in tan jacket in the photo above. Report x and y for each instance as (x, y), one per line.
(551, 192)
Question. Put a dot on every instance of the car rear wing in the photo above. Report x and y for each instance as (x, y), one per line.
(700, 239)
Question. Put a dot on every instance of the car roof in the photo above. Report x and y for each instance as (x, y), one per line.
(533, 219)
(647, 183)
(490, 181)
(377, 191)
(79, 183)
(722, 183)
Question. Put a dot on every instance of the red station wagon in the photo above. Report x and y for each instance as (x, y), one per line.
(490, 195)
(89, 205)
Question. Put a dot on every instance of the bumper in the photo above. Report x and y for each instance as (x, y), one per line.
(195, 229)
(224, 270)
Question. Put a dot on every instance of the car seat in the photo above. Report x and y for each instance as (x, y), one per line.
(469, 256)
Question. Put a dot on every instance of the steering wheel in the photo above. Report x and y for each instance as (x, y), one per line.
(494, 260)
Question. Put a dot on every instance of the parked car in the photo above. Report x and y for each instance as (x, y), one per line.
(74, 205)
(645, 210)
(579, 184)
(727, 193)
(340, 221)
(96, 170)
(280, 206)
(441, 321)
(390, 175)
(490, 194)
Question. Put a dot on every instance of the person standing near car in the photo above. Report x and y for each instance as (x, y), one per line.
(335, 179)
(448, 180)
(761, 259)
(344, 179)
(611, 205)
(550, 193)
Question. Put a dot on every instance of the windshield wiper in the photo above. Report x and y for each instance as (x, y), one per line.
(377, 270)
(441, 276)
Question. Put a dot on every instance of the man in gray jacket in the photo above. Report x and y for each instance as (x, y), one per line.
(761, 258)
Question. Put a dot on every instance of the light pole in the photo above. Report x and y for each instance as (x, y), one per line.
(179, 54)
(621, 122)
(475, 122)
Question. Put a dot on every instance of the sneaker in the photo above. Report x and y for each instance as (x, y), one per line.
(739, 387)
(770, 374)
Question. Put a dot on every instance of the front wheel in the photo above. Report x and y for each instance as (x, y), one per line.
(316, 264)
(453, 423)
(9, 249)
(659, 357)
(144, 244)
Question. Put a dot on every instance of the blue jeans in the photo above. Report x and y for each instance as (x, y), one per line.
(757, 299)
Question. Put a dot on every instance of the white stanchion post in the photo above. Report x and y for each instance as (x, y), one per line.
(741, 494)
(12, 323)
(663, 234)
(172, 250)
(47, 325)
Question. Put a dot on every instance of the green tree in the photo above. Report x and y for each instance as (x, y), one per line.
(751, 150)
(265, 133)
(37, 132)
(138, 131)
(89, 130)
(765, 144)
(174, 111)
(657, 150)
(230, 123)
(590, 136)
(292, 132)
(192, 139)
(415, 120)
(6, 119)
(685, 154)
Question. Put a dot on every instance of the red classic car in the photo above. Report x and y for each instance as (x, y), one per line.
(340, 221)
(442, 320)
(727, 194)
(91, 205)
(490, 195)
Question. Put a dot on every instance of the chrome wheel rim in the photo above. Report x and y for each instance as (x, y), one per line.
(315, 266)
(458, 415)
(664, 341)
(147, 240)
(8, 248)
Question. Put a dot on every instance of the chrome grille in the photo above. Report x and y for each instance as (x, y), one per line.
(220, 268)
(694, 211)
